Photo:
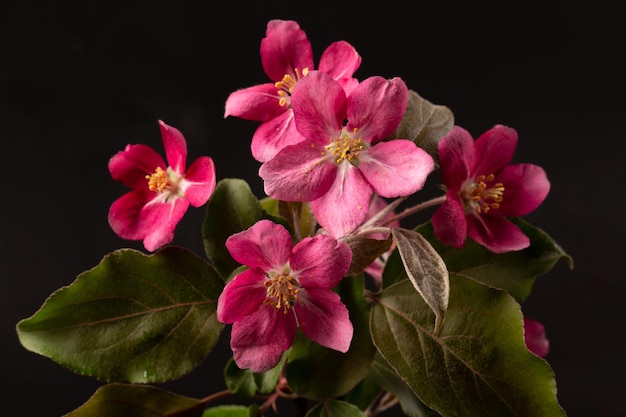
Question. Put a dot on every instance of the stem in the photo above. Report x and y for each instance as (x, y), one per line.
(215, 396)
(421, 206)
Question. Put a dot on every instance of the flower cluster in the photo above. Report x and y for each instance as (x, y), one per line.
(338, 156)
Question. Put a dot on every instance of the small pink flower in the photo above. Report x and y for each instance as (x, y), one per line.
(535, 337)
(287, 56)
(483, 189)
(161, 193)
(338, 167)
(283, 289)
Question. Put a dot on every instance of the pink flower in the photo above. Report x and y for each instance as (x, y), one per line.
(483, 189)
(535, 337)
(161, 193)
(339, 167)
(283, 289)
(287, 56)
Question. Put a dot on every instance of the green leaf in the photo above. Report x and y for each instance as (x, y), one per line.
(424, 123)
(477, 365)
(318, 373)
(334, 408)
(364, 251)
(363, 394)
(227, 411)
(122, 400)
(239, 381)
(232, 208)
(425, 269)
(132, 318)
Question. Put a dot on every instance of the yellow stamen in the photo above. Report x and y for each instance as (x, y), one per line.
(346, 147)
(486, 198)
(282, 290)
(287, 84)
(158, 181)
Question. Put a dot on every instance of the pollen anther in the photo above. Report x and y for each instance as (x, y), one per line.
(485, 197)
(282, 291)
(158, 181)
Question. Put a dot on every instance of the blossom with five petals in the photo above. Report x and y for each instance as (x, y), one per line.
(338, 167)
(483, 189)
(283, 288)
(161, 193)
(287, 56)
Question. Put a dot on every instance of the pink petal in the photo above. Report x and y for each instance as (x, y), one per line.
(396, 168)
(449, 221)
(265, 245)
(324, 319)
(535, 337)
(456, 157)
(319, 106)
(161, 220)
(243, 295)
(321, 261)
(259, 103)
(125, 214)
(274, 135)
(259, 341)
(496, 233)
(525, 188)
(133, 164)
(376, 107)
(199, 182)
(284, 49)
(340, 60)
(175, 147)
(494, 149)
(344, 206)
(301, 172)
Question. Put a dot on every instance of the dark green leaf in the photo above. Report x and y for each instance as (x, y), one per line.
(363, 394)
(319, 373)
(425, 269)
(227, 411)
(334, 408)
(132, 318)
(364, 251)
(122, 400)
(239, 381)
(477, 365)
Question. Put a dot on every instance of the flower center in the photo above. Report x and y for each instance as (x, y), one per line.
(346, 147)
(282, 290)
(485, 197)
(159, 180)
(287, 84)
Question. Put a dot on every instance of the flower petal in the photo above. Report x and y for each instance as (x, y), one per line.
(131, 165)
(265, 245)
(160, 219)
(274, 135)
(284, 49)
(535, 338)
(396, 168)
(324, 319)
(456, 157)
(241, 296)
(344, 206)
(321, 261)
(376, 107)
(259, 103)
(339, 60)
(199, 182)
(259, 341)
(525, 188)
(449, 221)
(494, 149)
(175, 147)
(496, 233)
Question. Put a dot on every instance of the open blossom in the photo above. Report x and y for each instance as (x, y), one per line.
(535, 337)
(339, 166)
(284, 288)
(287, 56)
(483, 189)
(161, 193)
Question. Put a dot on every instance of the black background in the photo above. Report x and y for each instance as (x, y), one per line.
(80, 80)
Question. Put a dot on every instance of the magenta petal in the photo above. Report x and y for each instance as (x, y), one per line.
(131, 165)
(344, 206)
(525, 187)
(243, 295)
(449, 221)
(319, 106)
(175, 147)
(299, 172)
(265, 245)
(160, 220)
(274, 135)
(259, 341)
(456, 157)
(125, 214)
(496, 233)
(199, 182)
(324, 319)
(494, 149)
(258, 103)
(396, 168)
(535, 338)
(321, 261)
(376, 107)
(339, 60)
(284, 49)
